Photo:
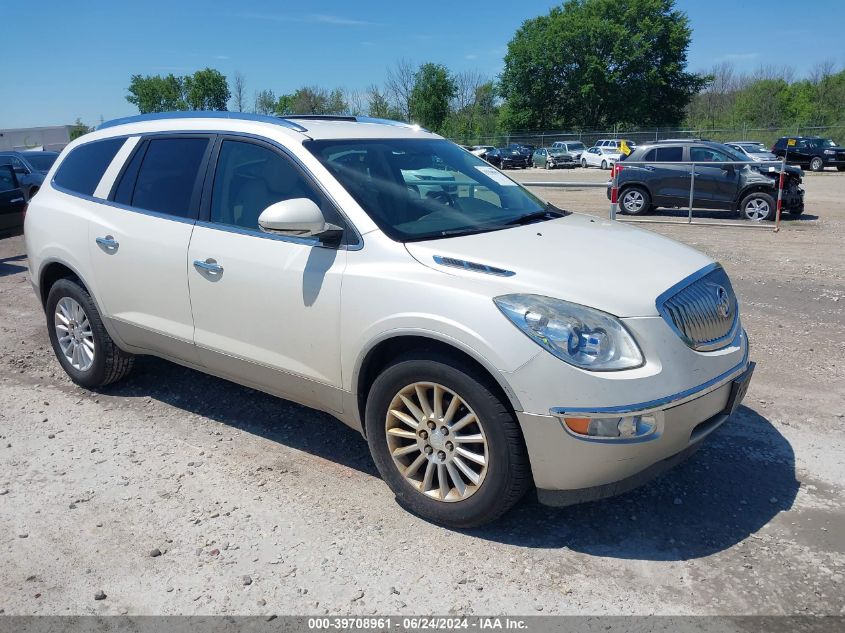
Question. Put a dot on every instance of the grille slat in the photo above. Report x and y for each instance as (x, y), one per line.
(703, 312)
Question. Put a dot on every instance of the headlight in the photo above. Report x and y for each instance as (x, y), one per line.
(829, 152)
(576, 334)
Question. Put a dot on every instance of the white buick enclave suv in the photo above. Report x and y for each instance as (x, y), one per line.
(481, 339)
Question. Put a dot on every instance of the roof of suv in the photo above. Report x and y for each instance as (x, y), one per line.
(309, 125)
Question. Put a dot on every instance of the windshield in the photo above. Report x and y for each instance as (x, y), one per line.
(41, 162)
(417, 189)
(735, 154)
(755, 148)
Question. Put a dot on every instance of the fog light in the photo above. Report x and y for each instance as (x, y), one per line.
(612, 428)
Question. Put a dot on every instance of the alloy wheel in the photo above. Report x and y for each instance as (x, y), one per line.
(756, 209)
(633, 201)
(437, 442)
(74, 333)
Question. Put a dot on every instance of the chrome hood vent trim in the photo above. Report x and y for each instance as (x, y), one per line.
(472, 266)
(702, 309)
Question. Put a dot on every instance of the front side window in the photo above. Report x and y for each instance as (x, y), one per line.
(708, 155)
(416, 189)
(82, 169)
(250, 178)
(167, 176)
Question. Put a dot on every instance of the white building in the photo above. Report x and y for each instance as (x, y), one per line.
(47, 138)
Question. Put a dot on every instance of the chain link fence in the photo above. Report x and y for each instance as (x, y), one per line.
(767, 136)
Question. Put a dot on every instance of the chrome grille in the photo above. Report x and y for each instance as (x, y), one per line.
(702, 309)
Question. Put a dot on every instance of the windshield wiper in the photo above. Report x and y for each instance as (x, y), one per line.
(549, 213)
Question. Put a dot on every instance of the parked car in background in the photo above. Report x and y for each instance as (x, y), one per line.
(604, 157)
(12, 201)
(440, 329)
(813, 152)
(522, 148)
(753, 150)
(549, 158)
(481, 150)
(573, 148)
(750, 188)
(507, 158)
(30, 168)
(614, 143)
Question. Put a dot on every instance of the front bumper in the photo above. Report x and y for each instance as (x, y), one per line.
(569, 468)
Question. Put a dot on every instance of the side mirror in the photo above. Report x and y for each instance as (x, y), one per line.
(299, 217)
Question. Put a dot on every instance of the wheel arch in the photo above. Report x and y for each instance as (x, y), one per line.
(52, 271)
(383, 350)
(756, 187)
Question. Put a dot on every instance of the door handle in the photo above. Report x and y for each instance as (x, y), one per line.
(108, 243)
(209, 266)
(15, 200)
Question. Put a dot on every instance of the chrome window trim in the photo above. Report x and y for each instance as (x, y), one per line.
(666, 402)
(714, 345)
(124, 207)
(307, 241)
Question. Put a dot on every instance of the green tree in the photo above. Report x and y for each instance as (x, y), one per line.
(78, 129)
(206, 89)
(154, 93)
(593, 63)
(265, 102)
(430, 97)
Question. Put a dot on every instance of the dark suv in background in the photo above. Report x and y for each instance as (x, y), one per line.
(812, 151)
(750, 188)
(30, 167)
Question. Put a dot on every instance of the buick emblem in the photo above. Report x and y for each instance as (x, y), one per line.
(723, 302)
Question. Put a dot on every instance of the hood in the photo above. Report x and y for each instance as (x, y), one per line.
(774, 170)
(579, 258)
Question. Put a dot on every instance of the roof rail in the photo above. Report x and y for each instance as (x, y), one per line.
(202, 114)
(351, 118)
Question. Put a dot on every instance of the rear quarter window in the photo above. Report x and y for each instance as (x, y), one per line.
(82, 169)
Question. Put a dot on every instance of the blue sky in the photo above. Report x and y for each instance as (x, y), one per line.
(72, 60)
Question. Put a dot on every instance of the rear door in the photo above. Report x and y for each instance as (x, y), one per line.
(667, 181)
(12, 202)
(139, 243)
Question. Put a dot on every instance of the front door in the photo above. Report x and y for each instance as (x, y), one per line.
(139, 244)
(716, 183)
(266, 307)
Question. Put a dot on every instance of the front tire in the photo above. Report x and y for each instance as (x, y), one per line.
(816, 163)
(757, 206)
(604, 164)
(80, 341)
(584, 163)
(444, 442)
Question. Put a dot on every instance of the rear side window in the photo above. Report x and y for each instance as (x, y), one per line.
(167, 177)
(665, 155)
(83, 168)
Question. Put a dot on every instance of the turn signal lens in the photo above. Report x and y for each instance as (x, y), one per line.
(613, 428)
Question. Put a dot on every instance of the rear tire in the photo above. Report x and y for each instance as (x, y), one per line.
(424, 453)
(74, 325)
(757, 206)
(634, 201)
(840, 168)
(816, 163)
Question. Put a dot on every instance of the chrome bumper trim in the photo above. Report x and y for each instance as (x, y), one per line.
(666, 402)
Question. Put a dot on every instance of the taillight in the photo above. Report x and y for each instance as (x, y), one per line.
(617, 168)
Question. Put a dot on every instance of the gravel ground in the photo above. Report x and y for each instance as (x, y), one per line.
(177, 493)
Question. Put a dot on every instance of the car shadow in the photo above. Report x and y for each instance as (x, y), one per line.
(740, 479)
(7, 267)
(714, 214)
(737, 482)
(246, 409)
